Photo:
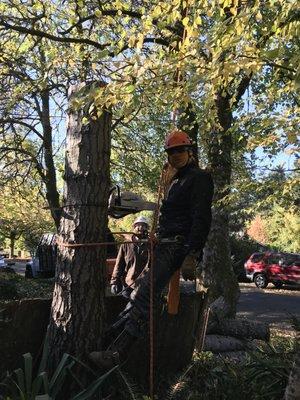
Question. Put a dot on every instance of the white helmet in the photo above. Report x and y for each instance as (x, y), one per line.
(141, 220)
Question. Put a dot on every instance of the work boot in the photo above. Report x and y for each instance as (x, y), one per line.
(117, 352)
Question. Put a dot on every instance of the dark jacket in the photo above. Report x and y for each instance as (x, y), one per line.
(186, 209)
(131, 261)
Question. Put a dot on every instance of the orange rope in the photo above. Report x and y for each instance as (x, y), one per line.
(151, 322)
(73, 245)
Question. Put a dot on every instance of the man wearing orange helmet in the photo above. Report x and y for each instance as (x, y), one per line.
(184, 222)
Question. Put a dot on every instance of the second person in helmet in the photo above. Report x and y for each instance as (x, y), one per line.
(131, 260)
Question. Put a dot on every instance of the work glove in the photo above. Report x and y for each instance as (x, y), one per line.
(188, 267)
(116, 288)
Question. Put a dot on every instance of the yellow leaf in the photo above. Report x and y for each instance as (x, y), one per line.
(238, 28)
(198, 20)
(156, 12)
(233, 11)
(140, 41)
(258, 16)
(131, 41)
(185, 21)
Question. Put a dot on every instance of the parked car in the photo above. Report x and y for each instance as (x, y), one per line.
(277, 268)
(43, 263)
(2, 262)
(4, 253)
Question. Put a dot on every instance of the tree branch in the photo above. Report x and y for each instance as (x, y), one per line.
(113, 13)
(241, 89)
(19, 122)
(268, 62)
(42, 34)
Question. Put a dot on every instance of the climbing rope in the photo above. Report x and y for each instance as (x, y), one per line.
(152, 238)
(163, 183)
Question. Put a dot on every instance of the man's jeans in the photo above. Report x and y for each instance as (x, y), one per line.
(167, 259)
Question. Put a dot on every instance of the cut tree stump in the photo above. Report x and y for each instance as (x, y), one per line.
(174, 341)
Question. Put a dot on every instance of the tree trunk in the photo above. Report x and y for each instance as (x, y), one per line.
(12, 238)
(52, 194)
(77, 313)
(217, 261)
(188, 123)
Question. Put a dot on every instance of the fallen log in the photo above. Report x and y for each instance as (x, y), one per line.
(221, 344)
(241, 328)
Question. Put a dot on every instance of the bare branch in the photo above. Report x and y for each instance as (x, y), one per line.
(20, 122)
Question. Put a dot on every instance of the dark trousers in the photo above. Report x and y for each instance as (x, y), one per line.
(167, 259)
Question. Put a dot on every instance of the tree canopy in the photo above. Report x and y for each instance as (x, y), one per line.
(228, 69)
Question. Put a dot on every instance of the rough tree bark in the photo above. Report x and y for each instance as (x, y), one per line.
(217, 260)
(77, 313)
(188, 123)
(217, 255)
(240, 328)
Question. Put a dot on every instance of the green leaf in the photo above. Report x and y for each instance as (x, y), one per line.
(36, 386)
(43, 363)
(28, 372)
(20, 380)
(62, 364)
(87, 393)
(45, 380)
(130, 88)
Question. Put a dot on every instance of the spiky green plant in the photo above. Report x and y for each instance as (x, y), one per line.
(21, 385)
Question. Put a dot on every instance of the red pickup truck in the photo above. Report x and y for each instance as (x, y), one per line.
(278, 268)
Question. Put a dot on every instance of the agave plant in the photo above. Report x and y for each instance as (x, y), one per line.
(22, 385)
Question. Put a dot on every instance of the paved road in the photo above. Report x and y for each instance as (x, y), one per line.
(266, 305)
(269, 305)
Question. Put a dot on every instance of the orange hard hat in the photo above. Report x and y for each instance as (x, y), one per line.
(177, 138)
